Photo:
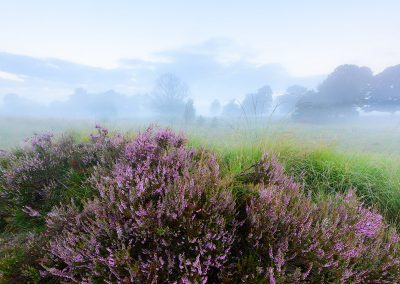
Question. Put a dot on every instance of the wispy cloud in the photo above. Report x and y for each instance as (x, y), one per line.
(10, 76)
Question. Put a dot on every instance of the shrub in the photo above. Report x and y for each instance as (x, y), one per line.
(162, 216)
(33, 179)
(290, 239)
(48, 172)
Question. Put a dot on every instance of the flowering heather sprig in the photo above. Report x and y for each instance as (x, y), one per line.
(161, 217)
(41, 140)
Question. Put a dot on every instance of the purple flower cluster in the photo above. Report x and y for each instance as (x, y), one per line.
(37, 177)
(293, 239)
(162, 216)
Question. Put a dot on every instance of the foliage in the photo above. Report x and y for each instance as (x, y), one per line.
(169, 94)
(231, 109)
(290, 239)
(338, 95)
(151, 209)
(215, 107)
(19, 258)
(385, 91)
(287, 102)
(258, 104)
(48, 172)
(162, 216)
(190, 112)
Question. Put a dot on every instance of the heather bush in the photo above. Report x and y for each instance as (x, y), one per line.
(290, 239)
(47, 171)
(33, 179)
(161, 216)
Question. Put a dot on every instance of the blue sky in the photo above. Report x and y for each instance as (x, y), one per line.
(305, 37)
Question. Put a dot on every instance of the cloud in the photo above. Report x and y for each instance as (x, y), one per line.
(217, 68)
(10, 76)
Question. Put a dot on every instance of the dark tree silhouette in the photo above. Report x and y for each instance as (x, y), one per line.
(190, 113)
(258, 103)
(385, 91)
(231, 109)
(287, 102)
(346, 86)
(215, 107)
(169, 95)
(339, 95)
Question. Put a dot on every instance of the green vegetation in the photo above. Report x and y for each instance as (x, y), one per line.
(322, 169)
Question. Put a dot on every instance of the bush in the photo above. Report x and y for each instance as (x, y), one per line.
(162, 216)
(33, 179)
(290, 239)
(48, 172)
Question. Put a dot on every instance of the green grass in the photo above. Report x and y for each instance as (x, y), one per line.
(320, 168)
(326, 158)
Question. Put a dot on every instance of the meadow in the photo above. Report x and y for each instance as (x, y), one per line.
(326, 161)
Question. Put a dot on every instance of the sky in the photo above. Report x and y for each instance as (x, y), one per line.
(305, 37)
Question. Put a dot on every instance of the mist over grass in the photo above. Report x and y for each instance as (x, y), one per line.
(328, 157)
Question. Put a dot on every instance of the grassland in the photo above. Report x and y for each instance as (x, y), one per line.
(326, 158)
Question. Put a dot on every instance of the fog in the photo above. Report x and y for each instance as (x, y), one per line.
(192, 82)
(191, 63)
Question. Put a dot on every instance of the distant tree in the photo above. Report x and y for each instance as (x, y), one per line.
(105, 106)
(200, 121)
(169, 95)
(215, 108)
(214, 122)
(231, 109)
(306, 109)
(385, 91)
(346, 86)
(258, 103)
(190, 113)
(287, 103)
(338, 96)
(16, 105)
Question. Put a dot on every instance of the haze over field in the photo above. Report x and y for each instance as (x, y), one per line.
(221, 50)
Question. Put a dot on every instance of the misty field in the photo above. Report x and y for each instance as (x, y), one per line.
(241, 201)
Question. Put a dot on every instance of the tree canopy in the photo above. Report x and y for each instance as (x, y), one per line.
(256, 104)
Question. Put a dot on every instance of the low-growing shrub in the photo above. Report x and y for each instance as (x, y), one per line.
(162, 216)
(47, 171)
(33, 179)
(290, 239)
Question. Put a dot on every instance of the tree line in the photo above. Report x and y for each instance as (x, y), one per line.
(346, 92)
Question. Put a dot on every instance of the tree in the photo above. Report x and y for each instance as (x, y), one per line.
(169, 95)
(346, 86)
(385, 91)
(105, 106)
(231, 109)
(258, 103)
(190, 113)
(215, 107)
(338, 96)
(287, 102)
